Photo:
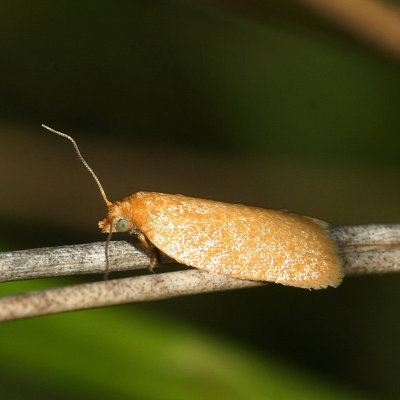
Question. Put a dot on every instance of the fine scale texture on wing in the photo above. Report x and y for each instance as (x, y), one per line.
(240, 241)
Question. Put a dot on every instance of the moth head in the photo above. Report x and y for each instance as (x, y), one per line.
(118, 218)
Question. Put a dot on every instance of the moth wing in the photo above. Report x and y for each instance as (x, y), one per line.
(240, 241)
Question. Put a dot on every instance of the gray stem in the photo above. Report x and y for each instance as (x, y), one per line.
(365, 249)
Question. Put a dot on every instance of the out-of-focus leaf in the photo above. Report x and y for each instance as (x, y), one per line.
(109, 353)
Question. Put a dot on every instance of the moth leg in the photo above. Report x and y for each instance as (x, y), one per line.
(150, 249)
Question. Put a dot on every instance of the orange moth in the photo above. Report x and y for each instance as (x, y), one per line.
(240, 241)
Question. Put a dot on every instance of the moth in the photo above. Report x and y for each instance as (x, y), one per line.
(240, 241)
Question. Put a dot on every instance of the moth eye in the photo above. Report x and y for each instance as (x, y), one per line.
(123, 225)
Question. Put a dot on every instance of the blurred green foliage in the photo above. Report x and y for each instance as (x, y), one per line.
(110, 353)
(183, 74)
(177, 73)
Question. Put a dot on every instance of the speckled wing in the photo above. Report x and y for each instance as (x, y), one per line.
(240, 241)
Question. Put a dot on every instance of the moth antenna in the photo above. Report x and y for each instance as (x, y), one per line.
(103, 193)
(106, 249)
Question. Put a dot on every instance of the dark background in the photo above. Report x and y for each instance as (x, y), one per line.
(262, 104)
